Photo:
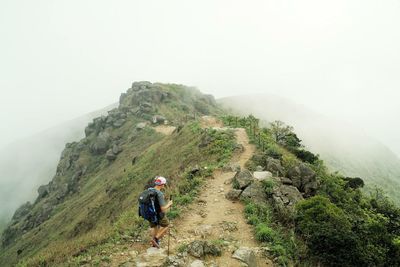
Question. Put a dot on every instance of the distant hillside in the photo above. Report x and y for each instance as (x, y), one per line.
(30, 162)
(343, 147)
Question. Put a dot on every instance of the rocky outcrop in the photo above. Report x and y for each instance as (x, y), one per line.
(274, 166)
(101, 143)
(22, 211)
(304, 178)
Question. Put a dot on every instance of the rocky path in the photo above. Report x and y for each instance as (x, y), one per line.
(214, 218)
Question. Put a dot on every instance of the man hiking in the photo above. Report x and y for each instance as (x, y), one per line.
(152, 207)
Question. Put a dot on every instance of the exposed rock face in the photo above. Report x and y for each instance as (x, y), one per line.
(43, 191)
(274, 166)
(246, 255)
(243, 179)
(233, 194)
(255, 192)
(22, 211)
(101, 143)
(304, 178)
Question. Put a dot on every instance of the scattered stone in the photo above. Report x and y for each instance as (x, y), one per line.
(204, 230)
(119, 123)
(110, 155)
(233, 194)
(245, 255)
(229, 226)
(133, 253)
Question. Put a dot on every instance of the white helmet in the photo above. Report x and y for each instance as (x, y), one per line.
(160, 180)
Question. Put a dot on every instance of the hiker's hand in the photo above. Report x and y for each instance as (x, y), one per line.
(170, 203)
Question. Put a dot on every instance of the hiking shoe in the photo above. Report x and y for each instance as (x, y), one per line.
(158, 241)
(154, 243)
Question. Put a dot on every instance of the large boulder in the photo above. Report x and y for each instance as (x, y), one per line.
(101, 144)
(243, 179)
(285, 197)
(246, 255)
(274, 166)
(255, 192)
(304, 178)
(262, 176)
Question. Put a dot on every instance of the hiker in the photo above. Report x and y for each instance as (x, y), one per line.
(153, 207)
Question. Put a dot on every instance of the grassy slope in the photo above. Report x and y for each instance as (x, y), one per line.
(88, 218)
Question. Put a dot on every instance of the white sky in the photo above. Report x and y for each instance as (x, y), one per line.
(61, 59)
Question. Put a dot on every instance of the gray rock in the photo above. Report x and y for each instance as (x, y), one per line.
(233, 194)
(197, 263)
(255, 192)
(274, 166)
(141, 125)
(22, 211)
(243, 178)
(231, 167)
(153, 257)
(101, 144)
(285, 197)
(158, 119)
(43, 191)
(259, 168)
(119, 123)
(304, 178)
(200, 248)
(262, 175)
(245, 255)
(110, 155)
(286, 181)
(196, 248)
(116, 149)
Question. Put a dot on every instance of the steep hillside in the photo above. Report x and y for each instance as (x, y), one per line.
(99, 177)
(30, 162)
(343, 147)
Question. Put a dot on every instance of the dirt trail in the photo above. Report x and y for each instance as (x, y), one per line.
(213, 216)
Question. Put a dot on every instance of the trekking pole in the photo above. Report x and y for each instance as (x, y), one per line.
(169, 228)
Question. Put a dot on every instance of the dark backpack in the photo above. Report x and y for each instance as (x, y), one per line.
(149, 207)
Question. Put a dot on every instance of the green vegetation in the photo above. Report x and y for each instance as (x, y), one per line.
(99, 210)
(338, 225)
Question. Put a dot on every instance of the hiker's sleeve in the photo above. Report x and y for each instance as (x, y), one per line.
(161, 199)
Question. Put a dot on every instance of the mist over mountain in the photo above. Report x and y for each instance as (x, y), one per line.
(30, 162)
(344, 147)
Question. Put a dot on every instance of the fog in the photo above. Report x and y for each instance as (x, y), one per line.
(62, 59)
